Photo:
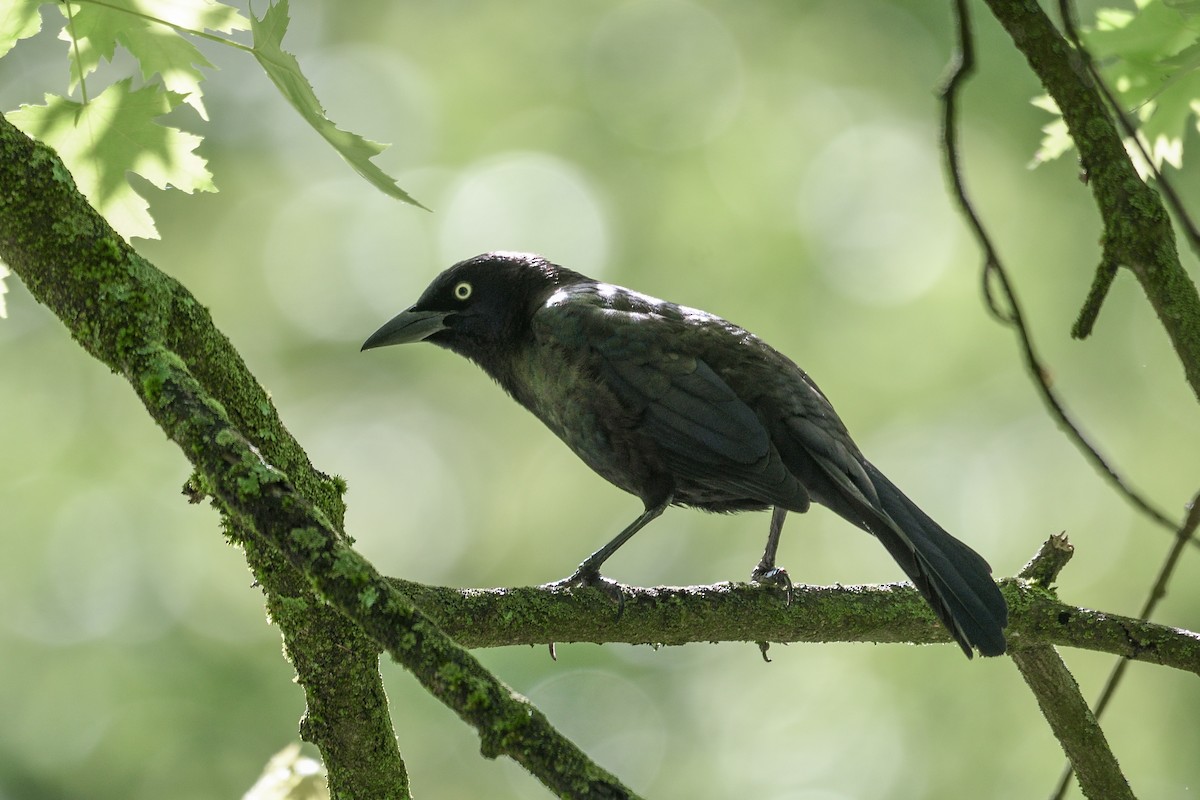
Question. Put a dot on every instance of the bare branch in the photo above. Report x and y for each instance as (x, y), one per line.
(1048, 561)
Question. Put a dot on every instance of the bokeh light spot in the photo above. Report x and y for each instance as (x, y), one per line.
(526, 201)
(91, 579)
(665, 75)
(874, 210)
(331, 230)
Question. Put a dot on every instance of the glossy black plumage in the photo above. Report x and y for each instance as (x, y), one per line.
(681, 407)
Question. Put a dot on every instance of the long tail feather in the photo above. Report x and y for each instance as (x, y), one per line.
(952, 577)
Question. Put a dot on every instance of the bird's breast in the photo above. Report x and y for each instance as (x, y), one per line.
(585, 414)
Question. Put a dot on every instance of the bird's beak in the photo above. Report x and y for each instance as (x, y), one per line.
(408, 326)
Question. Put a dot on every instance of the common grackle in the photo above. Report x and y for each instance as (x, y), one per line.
(681, 407)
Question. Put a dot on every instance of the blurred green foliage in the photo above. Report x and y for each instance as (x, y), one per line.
(773, 163)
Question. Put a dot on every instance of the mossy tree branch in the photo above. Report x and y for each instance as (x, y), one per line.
(143, 325)
(261, 498)
(1073, 724)
(1137, 228)
(729, 612)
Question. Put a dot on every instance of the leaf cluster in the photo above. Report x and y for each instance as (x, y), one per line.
(123, 129)
(1150, 57)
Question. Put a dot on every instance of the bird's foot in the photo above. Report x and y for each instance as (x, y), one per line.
(771, 575)
(584, 578)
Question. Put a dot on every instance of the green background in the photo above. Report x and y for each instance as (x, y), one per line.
(774, 163)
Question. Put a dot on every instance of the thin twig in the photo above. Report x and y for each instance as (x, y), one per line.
(995, 276)
(1049, 560)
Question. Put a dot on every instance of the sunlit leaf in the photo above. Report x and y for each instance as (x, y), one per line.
(1056, 140)
(1174, 108)
(19, 19)
(150, 31)
(1151, 59)
(114, 134)
(290, 776)
(284, 71)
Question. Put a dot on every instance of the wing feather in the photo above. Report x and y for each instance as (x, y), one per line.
(651, 359)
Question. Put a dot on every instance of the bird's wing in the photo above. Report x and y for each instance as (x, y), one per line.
(810, 435)
(650, 357)
(688, 408)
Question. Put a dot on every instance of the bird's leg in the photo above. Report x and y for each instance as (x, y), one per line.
(588, 573)
(766, 571)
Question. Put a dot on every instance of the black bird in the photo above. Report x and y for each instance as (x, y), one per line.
(681, 407)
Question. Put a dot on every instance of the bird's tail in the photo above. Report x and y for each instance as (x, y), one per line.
(952, 577)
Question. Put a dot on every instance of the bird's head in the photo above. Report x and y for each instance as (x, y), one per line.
(477, 306)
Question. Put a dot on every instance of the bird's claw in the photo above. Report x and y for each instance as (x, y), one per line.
(769, 575)
(591, 579)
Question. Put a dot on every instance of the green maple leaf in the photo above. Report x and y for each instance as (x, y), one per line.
(153, 32)
(18, 20)
(1057, 138)
(1143, 38)
(284, 70)
(113, 134)
(1176, 104)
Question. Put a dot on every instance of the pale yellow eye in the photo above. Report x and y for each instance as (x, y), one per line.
(462, 290)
